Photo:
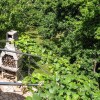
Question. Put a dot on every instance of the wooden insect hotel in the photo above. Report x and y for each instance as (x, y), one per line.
(10, 62)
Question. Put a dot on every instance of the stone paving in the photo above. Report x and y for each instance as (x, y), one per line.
(12, 92)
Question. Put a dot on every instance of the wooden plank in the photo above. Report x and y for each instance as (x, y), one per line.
(10, 69)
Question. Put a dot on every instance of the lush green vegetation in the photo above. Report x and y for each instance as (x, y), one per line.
(66, 34)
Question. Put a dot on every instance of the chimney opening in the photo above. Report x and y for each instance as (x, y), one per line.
(9, 36)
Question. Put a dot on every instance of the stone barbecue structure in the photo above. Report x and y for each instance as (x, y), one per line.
(9, 61)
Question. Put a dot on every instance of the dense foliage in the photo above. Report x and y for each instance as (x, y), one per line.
(65, 80)
(66, 34)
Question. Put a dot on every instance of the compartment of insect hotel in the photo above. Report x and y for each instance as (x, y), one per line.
(10, 62)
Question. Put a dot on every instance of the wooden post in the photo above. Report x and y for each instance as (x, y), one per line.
(2, 73)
